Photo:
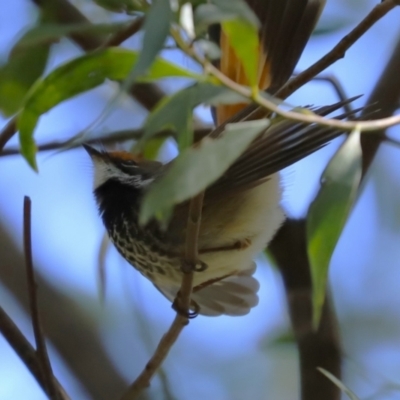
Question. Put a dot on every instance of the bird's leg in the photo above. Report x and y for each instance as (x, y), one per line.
(176, 306)
(238, 245)
(198, 266)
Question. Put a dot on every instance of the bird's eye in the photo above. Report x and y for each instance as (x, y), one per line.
(130, 167)
(128, 163)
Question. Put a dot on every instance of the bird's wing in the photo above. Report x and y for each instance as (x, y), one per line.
(286, 26)
(280, 146)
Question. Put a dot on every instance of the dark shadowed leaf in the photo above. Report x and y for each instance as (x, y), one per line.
(51, 32)
(350, 394)
(78, 76)
(156, 29)
(328, 213)
(24, 67)
(175, 112)
(123, 6)
(197, 167)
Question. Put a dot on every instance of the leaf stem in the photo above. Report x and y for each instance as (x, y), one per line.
(309, 117)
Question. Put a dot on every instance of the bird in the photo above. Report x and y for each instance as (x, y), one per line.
(241, 210)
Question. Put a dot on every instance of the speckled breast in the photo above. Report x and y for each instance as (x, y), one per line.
(149, 259)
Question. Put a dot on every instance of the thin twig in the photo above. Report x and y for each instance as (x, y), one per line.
(125, 33)
(181, 319)
(339, 90)
(26, 353)
(338, 52)
(109, 138)
(41, 348)
(8, 132)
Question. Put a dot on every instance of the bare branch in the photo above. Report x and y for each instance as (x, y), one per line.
(26, 353)
(338, 52)
(319, 348)
(8, 132)
(82, 351)
(386, 96)
(183, 298)
(126, 33)
(41, 348)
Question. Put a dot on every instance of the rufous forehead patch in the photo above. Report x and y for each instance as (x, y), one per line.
(124, 155)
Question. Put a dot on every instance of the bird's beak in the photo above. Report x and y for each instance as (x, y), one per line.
(93, 153)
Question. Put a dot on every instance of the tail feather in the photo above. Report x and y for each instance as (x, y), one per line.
(235, 295)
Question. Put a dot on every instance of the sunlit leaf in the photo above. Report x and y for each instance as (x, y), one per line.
(175, 112)
(328, 213)
(243, 37)
(78, 76)
(152, 147)
(24, 67)
(156, 29)
(197, 167)
(350, 394)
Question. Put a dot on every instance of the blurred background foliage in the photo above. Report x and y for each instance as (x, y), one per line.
(99, 347)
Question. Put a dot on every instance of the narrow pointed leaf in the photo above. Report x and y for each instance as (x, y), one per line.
(350, 394)
(328, 213)
(16, 79)
(78, 76)
(156, 28)
(198, 167)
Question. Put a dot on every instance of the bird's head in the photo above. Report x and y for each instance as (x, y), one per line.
(122, 167)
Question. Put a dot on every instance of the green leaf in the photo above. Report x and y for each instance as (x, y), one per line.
(123, 6)
(243, 37)
(351, 395)
(49, 32)
(156, 29)
(328, 213)
(222, 10)
(78, 76)
(28, 146)
(16, 78)
(198, 167)
(175, 112)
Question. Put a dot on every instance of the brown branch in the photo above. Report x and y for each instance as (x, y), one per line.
(339, 90)
(27, 354)
(385, 97)
(183, 298)
(71, 329)
(124, 34)
(319, 348)
(41, 348)
(8, 132)
(338, 52)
